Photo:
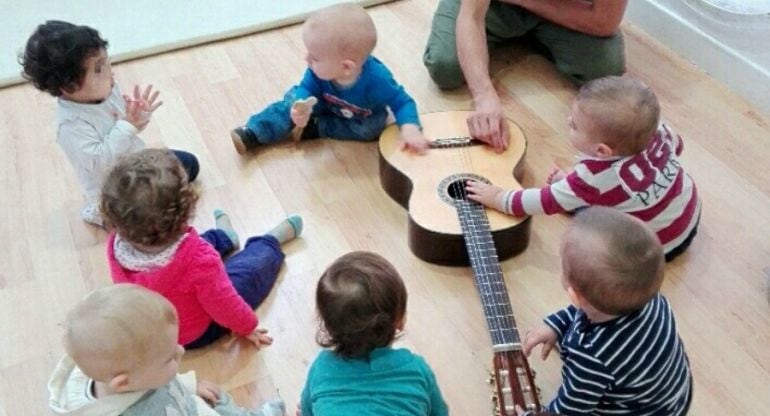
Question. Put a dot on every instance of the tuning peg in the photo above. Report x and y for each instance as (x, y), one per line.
(491, 379)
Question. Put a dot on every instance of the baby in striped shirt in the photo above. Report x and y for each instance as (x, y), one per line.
(618, 341)
(627, 160)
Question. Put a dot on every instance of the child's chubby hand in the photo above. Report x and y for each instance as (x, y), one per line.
(522, 412)
(413, 140)
(301, 110)
(259, 337)
(208, 391)
(543, 334)
(484, 193)
(140, 106)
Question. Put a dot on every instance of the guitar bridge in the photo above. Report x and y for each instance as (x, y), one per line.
(453, 142)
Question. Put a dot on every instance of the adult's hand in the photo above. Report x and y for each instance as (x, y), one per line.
(488, 124)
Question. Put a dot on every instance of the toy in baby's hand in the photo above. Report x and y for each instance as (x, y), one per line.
(300, 114)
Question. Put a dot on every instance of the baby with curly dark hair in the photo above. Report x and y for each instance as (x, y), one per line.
(361, 301)
(95, 122)
(148, 202)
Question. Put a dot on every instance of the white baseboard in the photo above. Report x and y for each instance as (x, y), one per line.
(148, 27)
(730, 49)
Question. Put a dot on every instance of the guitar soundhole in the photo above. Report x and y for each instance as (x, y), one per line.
(452, 188)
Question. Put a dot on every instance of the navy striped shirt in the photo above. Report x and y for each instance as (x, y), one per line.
(632, 365)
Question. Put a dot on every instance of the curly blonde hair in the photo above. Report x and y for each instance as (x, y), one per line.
(147, 198)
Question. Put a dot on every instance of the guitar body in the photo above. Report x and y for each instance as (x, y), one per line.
(423, 184)
(445, 227)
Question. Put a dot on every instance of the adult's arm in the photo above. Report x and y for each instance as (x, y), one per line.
(597, 17)
(472, 48)
(487, 122)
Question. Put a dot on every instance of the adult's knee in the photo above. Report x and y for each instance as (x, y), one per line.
(609, 59)
(444, 69)
(611, 65)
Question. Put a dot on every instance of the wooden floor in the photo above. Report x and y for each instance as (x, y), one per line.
(718, 288)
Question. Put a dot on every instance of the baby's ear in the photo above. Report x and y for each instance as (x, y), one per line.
(349, 65)
(604, 150)
(575, 297)
(401, 323)
(67, 90)
(119, 383)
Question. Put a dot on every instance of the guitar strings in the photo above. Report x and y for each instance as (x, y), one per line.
(486, 272)
(485, 288)
(498, 295)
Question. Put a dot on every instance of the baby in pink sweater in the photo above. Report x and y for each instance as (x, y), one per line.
(148, 202)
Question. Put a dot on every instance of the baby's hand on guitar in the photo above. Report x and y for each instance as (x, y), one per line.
(413, 140)
(543, 334)
(522, 412)
(555, 176)
(484, 193)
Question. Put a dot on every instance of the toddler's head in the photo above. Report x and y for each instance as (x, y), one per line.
(611, 260)
(147, 198)
(124, 336)
(68, 60)
(613, 116)
(361, 300)
(338, 40)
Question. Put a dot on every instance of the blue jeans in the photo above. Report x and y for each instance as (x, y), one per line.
(274, 123)
(189, 162)
(253, 271)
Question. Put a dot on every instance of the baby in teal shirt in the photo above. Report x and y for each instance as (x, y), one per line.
(361, 301)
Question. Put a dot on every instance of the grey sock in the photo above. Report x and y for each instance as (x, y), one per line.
(222, 221)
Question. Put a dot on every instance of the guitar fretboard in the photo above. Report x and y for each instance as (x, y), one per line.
(488, 275)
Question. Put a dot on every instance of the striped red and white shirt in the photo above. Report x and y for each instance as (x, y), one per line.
(650, 185)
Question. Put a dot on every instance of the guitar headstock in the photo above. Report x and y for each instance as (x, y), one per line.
(514, 384)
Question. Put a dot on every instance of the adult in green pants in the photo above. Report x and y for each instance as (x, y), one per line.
(581, 36)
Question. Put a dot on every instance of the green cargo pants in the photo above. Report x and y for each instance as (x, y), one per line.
(579, 56)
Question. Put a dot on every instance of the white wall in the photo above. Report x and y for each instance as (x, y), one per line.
(143, 27)
(729, 39)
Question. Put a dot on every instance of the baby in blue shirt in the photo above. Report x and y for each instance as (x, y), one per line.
(345, 92)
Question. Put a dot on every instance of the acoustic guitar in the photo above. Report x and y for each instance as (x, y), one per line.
(432, 188)
(427, 186)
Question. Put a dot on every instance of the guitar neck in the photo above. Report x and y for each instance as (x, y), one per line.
(488, 276)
